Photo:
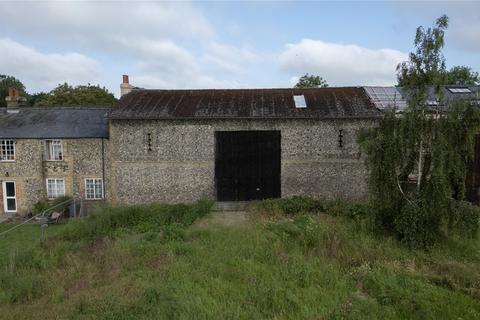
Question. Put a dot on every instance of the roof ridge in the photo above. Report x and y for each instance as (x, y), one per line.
(66, 108)
(246, 89)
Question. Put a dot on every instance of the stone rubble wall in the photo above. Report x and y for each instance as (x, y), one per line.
(82, 159)
(181, 163)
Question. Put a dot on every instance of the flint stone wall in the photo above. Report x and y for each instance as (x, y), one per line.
(174, 160)
(82, 159)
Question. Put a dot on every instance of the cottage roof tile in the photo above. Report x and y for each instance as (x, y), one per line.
(54, 122)
(348, 102)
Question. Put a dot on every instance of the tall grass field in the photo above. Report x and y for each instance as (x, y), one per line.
(295, 259)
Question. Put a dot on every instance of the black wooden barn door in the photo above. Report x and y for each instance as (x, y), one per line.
(247, 165)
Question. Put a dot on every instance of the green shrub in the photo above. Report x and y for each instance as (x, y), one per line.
(361, 215)
(335, 208)
(464, 219)
(108, 221)
(358, 212)
(46, 204)
(288, 206)
(417, 226)
(40, 206)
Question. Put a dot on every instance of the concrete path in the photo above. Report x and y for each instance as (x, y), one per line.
(225, 214)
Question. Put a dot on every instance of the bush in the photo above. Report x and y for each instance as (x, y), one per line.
(288, 206)
(46, 204)
(357, 212)
(40, 206)
(417, 226)
(464, 219)
(362, 216)
(335, 208)
(107, 221)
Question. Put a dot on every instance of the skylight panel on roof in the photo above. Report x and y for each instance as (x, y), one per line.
(386, 97)
(299, 101)
(459, 90)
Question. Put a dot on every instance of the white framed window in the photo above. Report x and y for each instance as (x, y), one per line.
(93, 189)
(55, 188)
(54, 150)
(9, 196)
(7, 150)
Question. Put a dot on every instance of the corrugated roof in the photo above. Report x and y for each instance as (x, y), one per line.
(54, 122)
(350, 102)
(396, 97)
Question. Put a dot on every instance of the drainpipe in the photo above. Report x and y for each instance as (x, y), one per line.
(103, 170)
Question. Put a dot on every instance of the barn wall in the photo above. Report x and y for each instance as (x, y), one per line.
(179, 167)
(82, 159)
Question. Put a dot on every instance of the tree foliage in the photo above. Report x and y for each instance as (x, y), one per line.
(457, 75)
(463, 75)
(311, 81)
(32, 99)
(418, 160)
(6, 82)
(83, 95)
(426, 65)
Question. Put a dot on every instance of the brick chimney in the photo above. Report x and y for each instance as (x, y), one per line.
(14, 100)
(125, 86)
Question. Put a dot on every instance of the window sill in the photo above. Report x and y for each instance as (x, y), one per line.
(7, 161)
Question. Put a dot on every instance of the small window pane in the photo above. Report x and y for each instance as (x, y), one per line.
(94, 188)
(11, 205)
(54, 150)
(7, 150)
(10, 189)
(55, 188)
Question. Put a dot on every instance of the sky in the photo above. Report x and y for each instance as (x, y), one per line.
(215, 44)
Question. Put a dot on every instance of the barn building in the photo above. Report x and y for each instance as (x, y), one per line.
(183, 145)
(238, 145)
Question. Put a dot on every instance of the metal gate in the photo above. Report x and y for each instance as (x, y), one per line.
(247, 165)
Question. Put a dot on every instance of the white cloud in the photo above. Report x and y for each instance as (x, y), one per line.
(229, 58)
(100, 24)
(165, 81)
(43, 71)
(148, 37)
(464, 28)
(342, 64)
(167, 65)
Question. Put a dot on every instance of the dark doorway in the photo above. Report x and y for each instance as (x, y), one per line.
(247, 165)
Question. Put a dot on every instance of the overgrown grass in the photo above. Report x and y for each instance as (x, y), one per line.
(301, 264)
(108, 221)
(23, 237)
